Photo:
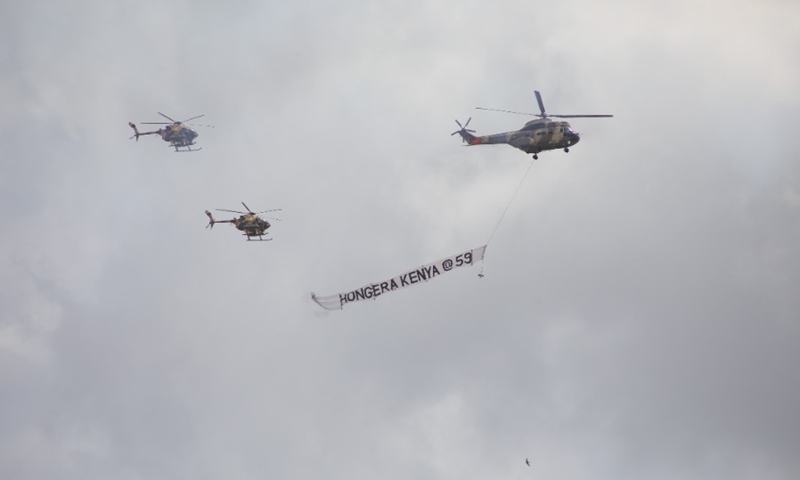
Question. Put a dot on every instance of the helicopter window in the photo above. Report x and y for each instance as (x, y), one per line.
(535, 126)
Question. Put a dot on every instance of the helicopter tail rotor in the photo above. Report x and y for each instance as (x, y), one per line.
(135, 131)
(211, 220)
(466, 134)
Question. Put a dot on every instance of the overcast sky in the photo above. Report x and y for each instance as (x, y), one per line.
(639, 317)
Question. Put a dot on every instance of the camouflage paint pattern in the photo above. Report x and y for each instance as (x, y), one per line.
(178, 135)
(536, 136)
(252, 225)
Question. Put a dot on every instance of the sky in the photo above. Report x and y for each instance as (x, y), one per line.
(638, 318)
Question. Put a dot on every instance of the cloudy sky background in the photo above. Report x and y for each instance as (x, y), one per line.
(639, 318)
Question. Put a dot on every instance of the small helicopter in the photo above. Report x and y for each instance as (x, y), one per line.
(250, 223)
(535, 136)
(178, 135)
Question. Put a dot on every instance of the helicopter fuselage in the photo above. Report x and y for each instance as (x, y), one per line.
(178, 135)
(251, 225)
(536, 136)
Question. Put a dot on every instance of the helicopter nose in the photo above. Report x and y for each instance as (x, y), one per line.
(574, 137)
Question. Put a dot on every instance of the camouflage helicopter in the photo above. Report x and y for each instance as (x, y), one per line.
(535, 136)
(250, 223)
(178, 135)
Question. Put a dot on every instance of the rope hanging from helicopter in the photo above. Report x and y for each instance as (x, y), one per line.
(502, 216)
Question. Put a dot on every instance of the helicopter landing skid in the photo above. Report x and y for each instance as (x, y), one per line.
(188, 150)
(259, 239)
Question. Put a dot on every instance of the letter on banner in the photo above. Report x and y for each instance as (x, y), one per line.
(421, 274)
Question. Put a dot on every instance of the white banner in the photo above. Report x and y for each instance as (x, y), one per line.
(422, 274)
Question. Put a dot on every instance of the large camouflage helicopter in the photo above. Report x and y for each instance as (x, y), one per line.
(177, 134)
(535, 136)
(248, 222)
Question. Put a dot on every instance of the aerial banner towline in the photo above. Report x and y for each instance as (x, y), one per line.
(412, 277)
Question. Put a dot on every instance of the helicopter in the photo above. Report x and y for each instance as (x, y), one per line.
(535, 136)
(248, 222)
(178, 135)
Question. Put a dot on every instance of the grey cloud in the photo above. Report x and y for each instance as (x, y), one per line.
(638, 318)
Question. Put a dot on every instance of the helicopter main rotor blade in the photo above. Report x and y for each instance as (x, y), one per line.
(581, 116)
(539, 100)
(248, 209)
(266, 211)
(508, 111)
(173, 121)
(156, 123)
(543, 114)
(190, 119)
(273, 218)
(231, 211)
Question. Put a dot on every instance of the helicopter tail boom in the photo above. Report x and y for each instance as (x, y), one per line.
(212, 220)
(137, 133)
